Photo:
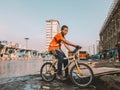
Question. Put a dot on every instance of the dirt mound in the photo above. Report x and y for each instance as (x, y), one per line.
(111, 82)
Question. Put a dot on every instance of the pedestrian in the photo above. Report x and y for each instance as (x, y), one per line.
(114, 55)
(118, 46)
(118, 50)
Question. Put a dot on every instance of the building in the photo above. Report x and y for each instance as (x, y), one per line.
(52, 28)
(110, 32)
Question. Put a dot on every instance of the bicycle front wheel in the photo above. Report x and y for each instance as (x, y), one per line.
(48, 72)
(83, 80)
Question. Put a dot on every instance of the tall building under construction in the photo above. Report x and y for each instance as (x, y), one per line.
(110, 32)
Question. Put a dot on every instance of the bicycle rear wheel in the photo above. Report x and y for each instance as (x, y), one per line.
(48, 72)
(83, 80)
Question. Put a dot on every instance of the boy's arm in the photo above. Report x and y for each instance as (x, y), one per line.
(68, 43)
(67, 46)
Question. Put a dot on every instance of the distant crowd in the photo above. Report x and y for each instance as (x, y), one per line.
(113, 54)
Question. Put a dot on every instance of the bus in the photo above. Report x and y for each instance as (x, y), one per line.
(83, 55)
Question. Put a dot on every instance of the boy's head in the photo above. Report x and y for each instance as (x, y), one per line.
(64, 29)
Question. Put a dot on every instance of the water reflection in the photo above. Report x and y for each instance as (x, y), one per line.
(19, 68)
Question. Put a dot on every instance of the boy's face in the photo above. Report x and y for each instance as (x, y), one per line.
(65, 31)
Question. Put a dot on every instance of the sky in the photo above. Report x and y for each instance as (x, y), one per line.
(21, 19)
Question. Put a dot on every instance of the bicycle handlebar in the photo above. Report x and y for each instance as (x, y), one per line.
(75, 50)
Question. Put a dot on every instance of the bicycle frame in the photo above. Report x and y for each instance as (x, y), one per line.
(73, 60)
(80, 73)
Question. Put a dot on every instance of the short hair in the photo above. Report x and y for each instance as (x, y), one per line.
(64, 26)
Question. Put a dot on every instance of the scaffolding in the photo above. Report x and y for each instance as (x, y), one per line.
(112, 7)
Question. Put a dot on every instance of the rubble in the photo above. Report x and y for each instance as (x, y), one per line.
(111, 82)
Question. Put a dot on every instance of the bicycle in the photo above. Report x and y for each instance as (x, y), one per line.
(80, 73)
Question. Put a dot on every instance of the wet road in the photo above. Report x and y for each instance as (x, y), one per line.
(15, 68)
(19, 68)
(24, 75)
(36, 83)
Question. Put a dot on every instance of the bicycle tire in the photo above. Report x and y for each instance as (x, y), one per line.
(51, 77)
(81, 78)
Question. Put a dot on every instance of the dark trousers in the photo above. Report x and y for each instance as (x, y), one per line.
(61, 56)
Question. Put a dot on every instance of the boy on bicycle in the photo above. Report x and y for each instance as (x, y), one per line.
(55, 46)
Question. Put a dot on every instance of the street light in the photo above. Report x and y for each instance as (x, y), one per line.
(26, 39)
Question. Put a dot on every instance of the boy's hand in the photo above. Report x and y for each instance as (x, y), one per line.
(78, 47)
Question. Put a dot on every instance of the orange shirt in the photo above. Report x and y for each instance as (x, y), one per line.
(56, 42)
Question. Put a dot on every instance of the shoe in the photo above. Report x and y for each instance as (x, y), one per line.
(60, 77)
(63, 78)
(67, 75)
